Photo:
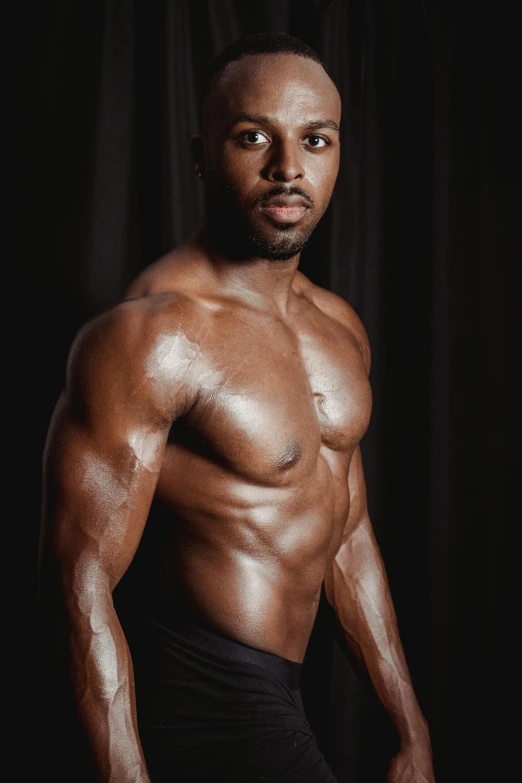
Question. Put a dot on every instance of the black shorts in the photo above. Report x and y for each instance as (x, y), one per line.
(213, 709)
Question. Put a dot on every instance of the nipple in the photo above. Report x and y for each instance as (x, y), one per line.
(289, 457)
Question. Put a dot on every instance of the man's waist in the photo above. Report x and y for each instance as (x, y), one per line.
(182, 628)
(259, 624)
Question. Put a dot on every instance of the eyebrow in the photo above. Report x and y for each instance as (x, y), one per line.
(262, 120)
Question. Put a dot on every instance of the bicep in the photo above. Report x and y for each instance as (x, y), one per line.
(99, 480)
(357, 529)
(358, 512)
(127, 380)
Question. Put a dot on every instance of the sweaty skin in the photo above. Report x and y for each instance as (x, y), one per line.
(233, 391)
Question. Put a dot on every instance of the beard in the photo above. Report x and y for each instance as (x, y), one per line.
(244, 234)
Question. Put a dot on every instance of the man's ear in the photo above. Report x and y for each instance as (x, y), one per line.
(197, 149)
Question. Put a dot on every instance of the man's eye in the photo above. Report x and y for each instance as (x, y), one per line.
(320, 139)
(253, 137)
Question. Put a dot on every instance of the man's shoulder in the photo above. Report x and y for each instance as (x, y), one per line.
(339, 310)
(138, 338)
(137, 321)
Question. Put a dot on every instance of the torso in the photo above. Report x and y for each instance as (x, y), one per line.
(255, 474)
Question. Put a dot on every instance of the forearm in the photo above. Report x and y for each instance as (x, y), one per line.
(359, 591)
(102, 679)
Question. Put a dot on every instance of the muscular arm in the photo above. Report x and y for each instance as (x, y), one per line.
(103, 454)
(357, 587)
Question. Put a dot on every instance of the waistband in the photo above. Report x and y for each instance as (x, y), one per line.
(286, 671)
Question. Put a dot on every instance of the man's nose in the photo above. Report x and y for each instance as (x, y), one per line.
(285, 162)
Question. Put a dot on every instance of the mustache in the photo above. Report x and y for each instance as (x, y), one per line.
(283, 191)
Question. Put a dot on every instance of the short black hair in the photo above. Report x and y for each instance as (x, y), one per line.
(257, 43)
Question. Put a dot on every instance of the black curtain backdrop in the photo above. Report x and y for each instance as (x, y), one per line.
(422, 237)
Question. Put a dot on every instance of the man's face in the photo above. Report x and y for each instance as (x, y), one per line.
(270, 131)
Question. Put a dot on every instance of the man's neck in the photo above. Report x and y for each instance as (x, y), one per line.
(261, 281)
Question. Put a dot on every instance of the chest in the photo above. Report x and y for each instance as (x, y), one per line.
(269, 399)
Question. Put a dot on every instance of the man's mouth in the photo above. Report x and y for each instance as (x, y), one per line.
(285, 209)
(285, 214)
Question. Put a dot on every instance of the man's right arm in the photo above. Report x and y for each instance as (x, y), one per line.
(102, 459)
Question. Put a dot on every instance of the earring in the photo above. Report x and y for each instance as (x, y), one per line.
(199, 173)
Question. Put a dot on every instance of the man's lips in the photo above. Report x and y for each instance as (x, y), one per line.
(285, 209)
(285, 214)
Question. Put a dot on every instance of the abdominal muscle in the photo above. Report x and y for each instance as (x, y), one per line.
(250, 559)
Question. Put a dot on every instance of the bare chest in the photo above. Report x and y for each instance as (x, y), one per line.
(269, 399)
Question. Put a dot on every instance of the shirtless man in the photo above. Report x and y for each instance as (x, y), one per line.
(232, 391)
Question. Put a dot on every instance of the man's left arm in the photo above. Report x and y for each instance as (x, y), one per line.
(357, 587)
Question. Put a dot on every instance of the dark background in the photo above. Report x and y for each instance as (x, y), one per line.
(422, 237)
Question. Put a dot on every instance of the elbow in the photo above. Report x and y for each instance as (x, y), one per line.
(75, 594)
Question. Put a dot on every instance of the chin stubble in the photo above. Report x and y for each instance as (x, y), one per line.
(241, 237)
